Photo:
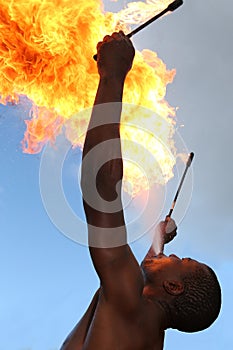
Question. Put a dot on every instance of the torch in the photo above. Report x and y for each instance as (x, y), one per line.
(189, 162)
(172, 7)
(159, 240)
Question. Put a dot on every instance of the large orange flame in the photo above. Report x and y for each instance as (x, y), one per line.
(46, 50)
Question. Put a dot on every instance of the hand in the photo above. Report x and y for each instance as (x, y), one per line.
(115, 56)
(168, 229)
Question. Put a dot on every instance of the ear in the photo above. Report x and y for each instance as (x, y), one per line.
(173, 287)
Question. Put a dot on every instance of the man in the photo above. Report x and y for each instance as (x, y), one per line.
(134, 304)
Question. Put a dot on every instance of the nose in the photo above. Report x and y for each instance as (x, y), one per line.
(174, 256)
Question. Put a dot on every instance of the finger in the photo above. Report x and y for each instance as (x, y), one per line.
(173, 234)
(169, 237)
(122, 33)
(99, 45)
(117, 36)
(170, 226)
(120, 36)
(107, 38)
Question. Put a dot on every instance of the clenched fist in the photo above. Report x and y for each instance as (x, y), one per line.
(115, 56)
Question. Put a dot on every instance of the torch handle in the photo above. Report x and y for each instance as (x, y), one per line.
(189, 162)
(172, 7)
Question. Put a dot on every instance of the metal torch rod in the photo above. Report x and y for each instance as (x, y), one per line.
(189, 161)
(172, 7)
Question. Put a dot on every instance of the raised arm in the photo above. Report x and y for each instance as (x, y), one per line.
(112, 258)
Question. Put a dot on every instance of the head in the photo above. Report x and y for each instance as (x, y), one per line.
(188, 291)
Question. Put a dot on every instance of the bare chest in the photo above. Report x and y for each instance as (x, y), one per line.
(111, 331)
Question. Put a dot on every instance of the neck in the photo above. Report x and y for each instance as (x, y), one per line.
(161, 305)
(166, 311)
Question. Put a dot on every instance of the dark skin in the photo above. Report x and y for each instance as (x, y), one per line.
(125, 313)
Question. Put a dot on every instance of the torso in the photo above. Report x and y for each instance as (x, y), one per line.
(109, 330)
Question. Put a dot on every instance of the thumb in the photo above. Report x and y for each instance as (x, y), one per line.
(170, 226)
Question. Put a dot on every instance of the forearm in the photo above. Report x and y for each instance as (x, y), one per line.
(102, 169)
(102, 144)
(110, 89)
(106, 111)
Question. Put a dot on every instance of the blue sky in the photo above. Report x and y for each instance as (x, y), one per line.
(48, 280)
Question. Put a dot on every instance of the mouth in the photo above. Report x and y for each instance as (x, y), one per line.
(152, 260)
(160, 255)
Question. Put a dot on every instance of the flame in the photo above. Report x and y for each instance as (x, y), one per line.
(138, 12)
(46, 50)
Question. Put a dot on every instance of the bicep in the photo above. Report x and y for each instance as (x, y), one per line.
(119, 272)
(120, 275)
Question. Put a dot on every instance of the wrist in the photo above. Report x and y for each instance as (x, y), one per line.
(110, 89)
(112, 79)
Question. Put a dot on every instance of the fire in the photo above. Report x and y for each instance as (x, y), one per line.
(139, 12)
(46, 50)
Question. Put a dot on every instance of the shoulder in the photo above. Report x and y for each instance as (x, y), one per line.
(120, 276)
(140, 326)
